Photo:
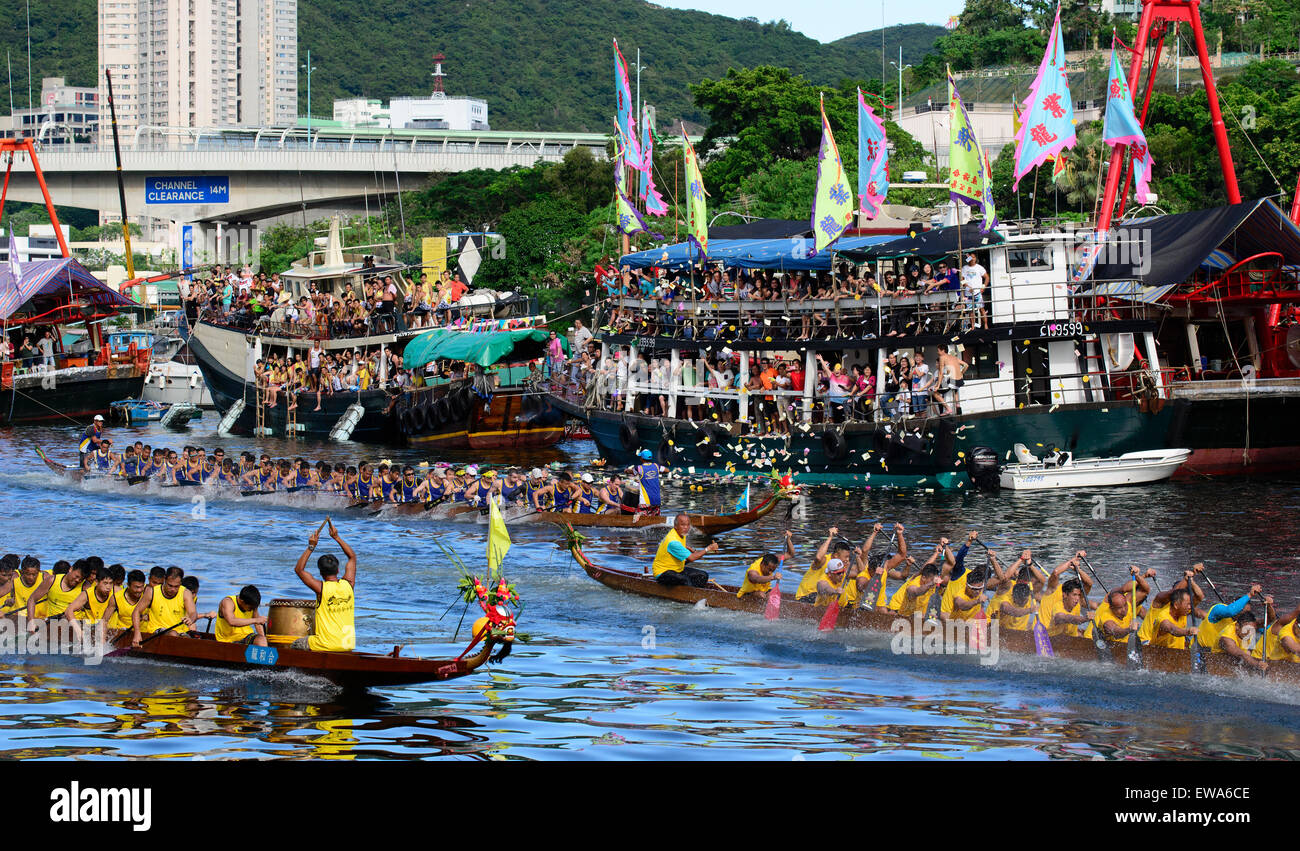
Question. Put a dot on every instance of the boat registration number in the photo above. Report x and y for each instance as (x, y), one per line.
(255, 655)
(1062, 329)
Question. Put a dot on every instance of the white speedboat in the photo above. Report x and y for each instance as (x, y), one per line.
(1060, 470)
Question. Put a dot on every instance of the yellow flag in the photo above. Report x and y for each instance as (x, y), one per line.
(498, 537)
(833, 203)
(697, 216)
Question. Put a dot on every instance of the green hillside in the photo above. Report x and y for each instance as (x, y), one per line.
(540, 64)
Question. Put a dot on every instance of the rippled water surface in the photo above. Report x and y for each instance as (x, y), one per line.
(607, 675)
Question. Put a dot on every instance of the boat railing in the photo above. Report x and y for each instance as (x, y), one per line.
(673, 398)
(939, 312)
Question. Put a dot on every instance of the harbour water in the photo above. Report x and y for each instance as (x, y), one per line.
(610, 676)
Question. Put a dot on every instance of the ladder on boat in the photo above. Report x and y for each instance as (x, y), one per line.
(260, 428)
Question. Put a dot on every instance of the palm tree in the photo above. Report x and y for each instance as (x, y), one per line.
(1081, 182)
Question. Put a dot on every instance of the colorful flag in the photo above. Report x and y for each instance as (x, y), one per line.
(832, 208)
(1016, 121)
(873, 160)
(697, 214)
(625, 118)
(630, 220)
(742, 504)
(498, 537)
(1122, 128)
(968, 179)
(1047, 121)
(654, 202)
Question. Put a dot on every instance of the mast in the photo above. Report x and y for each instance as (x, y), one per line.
(121, 187)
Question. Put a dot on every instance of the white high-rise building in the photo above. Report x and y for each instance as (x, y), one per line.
(199, 63)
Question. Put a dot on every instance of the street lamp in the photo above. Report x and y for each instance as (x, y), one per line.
(901, 68)
(308, 68)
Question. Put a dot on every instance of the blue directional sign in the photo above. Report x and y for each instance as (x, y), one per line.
(199, 189)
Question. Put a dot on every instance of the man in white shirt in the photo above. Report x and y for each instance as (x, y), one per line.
(581, 335)
(974, 280)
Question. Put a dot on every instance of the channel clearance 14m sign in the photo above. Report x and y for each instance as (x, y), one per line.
(200, 189)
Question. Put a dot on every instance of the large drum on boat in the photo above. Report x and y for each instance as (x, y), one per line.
(291, 618)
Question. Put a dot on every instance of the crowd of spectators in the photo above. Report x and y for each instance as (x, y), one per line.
(386, 303)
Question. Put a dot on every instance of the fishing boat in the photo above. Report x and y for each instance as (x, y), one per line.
(351, 670)
(484, 393)
(226, 349)
(885, 622)
(707, 524)
(1064, 471)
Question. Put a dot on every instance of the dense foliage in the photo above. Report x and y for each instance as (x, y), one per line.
(540, 64)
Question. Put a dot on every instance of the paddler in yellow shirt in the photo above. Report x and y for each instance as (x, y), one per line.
(1165, 625)
(237, 620)
(27, 581)
(336, 598)
(964, 598)
(126, 598)
(763, 571)
(1060, 611)
(57, 590)
(807, 590)
(1116, 618)
(1229, 628)
(169, 606)
(1283, 644)
(8, 570)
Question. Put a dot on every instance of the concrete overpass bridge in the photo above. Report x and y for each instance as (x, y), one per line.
(229, 183)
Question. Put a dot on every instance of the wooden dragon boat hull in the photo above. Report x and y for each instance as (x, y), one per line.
(708, 524)
(1075, 648)
(352, 670)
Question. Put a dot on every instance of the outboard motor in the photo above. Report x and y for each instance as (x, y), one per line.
(984, 469)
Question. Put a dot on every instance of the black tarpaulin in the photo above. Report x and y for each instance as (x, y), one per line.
(762, 229)
(1160, 250)
(930, 244)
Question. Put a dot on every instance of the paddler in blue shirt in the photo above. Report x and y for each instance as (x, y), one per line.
(512, 488)
(477, 493)
(91, 437)
(101, 460)
(648, 472)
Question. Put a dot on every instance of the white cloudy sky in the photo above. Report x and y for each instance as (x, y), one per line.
(828, 20)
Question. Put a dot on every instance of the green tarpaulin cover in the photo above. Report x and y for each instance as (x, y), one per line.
(483, 348)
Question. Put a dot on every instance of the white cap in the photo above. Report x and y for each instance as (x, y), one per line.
(588, 478)
(98, 418)
(834, 565)
(472, 469)
(536, 473)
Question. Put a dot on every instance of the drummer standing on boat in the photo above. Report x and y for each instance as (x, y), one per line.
(648, 472)
(336, 601)
(91, 437)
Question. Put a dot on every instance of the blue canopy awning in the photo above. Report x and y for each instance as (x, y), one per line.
(794, 254)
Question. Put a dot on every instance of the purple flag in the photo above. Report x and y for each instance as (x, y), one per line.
(1042, 641)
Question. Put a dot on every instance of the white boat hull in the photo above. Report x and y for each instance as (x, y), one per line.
(1132, 468)
(174, 382)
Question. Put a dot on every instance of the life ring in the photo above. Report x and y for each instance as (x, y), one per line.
(628, 437)
(664, 455)
(834, 445)
(441, 412)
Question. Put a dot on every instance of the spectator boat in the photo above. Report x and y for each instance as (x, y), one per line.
(1126, 363)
